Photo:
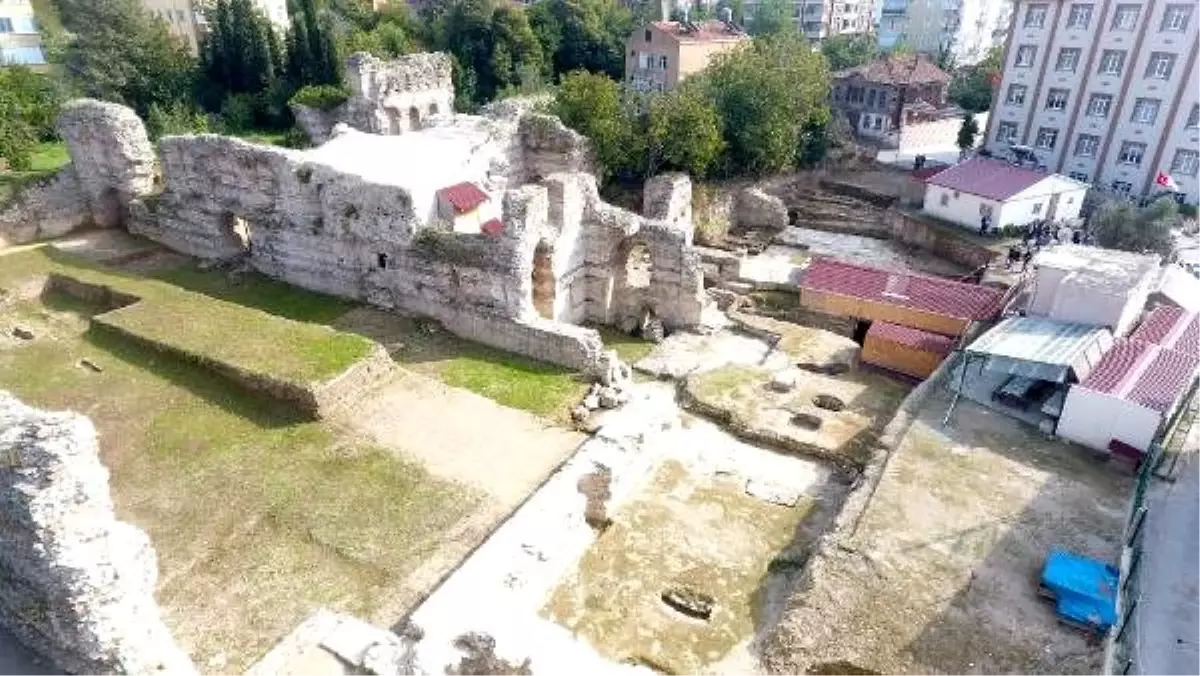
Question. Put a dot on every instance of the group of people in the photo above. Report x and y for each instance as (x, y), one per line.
(1041, 234)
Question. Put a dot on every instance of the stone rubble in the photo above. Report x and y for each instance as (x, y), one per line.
(78, 585)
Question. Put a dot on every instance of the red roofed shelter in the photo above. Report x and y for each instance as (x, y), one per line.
(466, 206)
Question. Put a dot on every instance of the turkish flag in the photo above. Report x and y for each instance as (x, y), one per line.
(1165, 181)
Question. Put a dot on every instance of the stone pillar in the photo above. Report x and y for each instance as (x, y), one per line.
(76, 584)
(112, 156)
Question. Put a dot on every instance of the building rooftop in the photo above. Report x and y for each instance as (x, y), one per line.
(1144, 373)
(898, 69)
(988, 178)
(1109, 270)
(463, 196)
(918, 292)
(701, 31)
(1172, 327)
(1045, 349)
(910, 337)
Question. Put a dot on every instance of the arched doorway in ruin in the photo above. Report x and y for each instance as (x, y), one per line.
(393, 119)
(237, 233)
(631, 269)
(414, 118)
(433, 109)
(544, 284)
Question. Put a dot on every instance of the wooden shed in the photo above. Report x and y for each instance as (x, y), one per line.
(905, 350)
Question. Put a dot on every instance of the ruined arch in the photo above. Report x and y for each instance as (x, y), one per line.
(236, 232)
(433, 108)
(631, 270)
(393, 120)
(544, 287)
(414, 118)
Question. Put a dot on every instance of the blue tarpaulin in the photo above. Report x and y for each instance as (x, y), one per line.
(1084, 589)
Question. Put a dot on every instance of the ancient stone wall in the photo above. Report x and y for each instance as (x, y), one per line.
(51, 207)
(941, 241)
(756, 209)
(111, 154)
(76, 584)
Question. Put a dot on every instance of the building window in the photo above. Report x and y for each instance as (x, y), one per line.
(5, 25)
(1131, 153)
(1080, 16)
(1086, 145)
(1079, 176)
(1126, 17)
(1006, 132)
(1112, 61)
(1193, 119)
(1035, 16)
(1057, 99)
(27, 56)
(1068, 59)
(1161, 65)
(870, 98)
(179, 14)
(1016, 95)
(1185, 162)
(662, 62)
(945, 201)
(1122, 187)
(1025, 56)
(1099, 104)
(1046, 138)
(1037, 208)
(1145, 111)
(649, 37)
(1176, 18)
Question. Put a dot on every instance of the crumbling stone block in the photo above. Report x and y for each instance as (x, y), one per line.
(111, 155)
(755, 209)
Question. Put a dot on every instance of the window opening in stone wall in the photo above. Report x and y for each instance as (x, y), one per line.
(414, 118)
(381, 261)
(433, 109)
(393, 117)
(543, 280)
(638, 267)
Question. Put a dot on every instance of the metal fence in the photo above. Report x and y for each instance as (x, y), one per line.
(1122, 653)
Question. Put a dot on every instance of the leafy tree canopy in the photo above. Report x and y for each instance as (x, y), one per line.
(1120, 224)
(582, 35)
(967, 133)
(772, 17)
(848, 51)
(971, 86)
(492, 44)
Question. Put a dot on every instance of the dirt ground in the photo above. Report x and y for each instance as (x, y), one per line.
(941, 574)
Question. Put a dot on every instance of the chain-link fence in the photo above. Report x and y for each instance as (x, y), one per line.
(1122, 654)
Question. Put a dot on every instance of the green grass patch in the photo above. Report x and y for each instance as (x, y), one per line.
(540, 388)
(48, 158)
(629, 348)
(260, 292)
(257, 517)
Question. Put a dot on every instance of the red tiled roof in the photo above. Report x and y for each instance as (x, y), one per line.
(1143, 373)
(463, 196)
(898, 69)
(706, 31)
(919, 292)
(492, 226)
(914, 338)
(926, 173)
(988, 178)
(1172, 327)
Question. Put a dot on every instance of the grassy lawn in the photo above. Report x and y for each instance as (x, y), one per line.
(257, 517)
(269, 137)
(47, 159)
(629, 348)
(223, 331)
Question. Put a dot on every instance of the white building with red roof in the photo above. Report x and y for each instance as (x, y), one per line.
(1008, 194)
(467, 208)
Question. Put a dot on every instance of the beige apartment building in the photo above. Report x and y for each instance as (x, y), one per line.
(819, 19)
(20, 42)
(1105, 92)
(661, 54)
(186, 18)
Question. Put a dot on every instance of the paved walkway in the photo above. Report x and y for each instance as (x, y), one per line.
(1169, 611)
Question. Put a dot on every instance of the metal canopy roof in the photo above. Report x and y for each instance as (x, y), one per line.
(1044, 349)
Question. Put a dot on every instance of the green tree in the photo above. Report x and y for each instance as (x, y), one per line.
(967, 133)
(18, 138)
(766, 92)
(37, 98)
(971, 86)
(1119, 224)
(684, 132)
(119, 52)
(773, 16)
(242, 53)
(582, 35)
(312, 57)
(591, 104)
(492, 44)
(848, 51)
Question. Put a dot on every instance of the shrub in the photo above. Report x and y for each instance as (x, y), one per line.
(238, 111)
(321, 97)
(175, 118)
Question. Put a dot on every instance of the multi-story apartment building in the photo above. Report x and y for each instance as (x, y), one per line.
(661, 54)
(1105, 91)
(819, 19)
(20, 42)
(967, 28)
(186, 18)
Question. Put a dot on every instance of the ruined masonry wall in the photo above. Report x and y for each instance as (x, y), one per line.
(112, 156)
(76, 584)
(51, 207)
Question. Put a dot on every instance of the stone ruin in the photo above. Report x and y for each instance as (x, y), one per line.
(386, 97)
(364, 217)
(76, 584)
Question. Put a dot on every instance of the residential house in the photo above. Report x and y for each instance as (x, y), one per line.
(1104, 92)
(965, 29)
(20, 42)
(881, 97)
(661, 54)
(1006, 194)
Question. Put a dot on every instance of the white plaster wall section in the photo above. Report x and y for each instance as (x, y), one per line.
(509, 579)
